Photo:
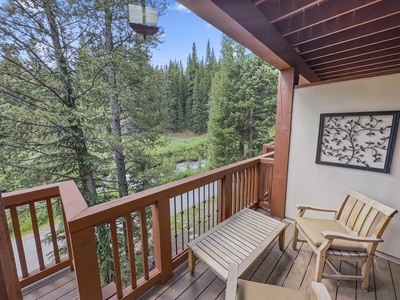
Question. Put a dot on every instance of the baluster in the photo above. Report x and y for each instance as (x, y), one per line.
(234, 204)
(209, 204)
(182, 231)
(175, 229)
(188, 215)
(131, 250)
(36, 235)
(18, 241)
(213, 205)
(194, 213)
(198, 202)
(53, 230)
(145, 244)
(116, 260)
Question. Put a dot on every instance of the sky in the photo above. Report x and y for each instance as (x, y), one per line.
(181, 29)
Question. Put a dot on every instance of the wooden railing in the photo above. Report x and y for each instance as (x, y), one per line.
(26, 204)
(149, 229)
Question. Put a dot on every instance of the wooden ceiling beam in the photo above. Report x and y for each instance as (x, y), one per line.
(252, 20)
(354, 54)
(319, 14)
(278, 10)
(357, 59)
(373, 42)
(353, 34)
(360, 76)
(383, 12)
(367, 70)
(381, 61)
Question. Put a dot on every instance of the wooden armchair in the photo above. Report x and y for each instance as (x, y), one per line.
(352, 235)
(238, 289)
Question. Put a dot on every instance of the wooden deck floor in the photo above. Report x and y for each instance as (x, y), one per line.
(289, 268)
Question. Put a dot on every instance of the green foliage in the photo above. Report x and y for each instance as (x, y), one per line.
(243, 106)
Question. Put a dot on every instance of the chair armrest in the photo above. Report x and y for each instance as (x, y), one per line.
(320, 291)
(231, 282)
(309, 207)
(330, 235)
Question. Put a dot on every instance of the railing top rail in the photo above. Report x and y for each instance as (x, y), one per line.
(30, 195)
(104, 212)
(72, 200)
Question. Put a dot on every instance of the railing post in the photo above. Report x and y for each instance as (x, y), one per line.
(9, 284)
(226, 188)
(86, 264)
(162, 238)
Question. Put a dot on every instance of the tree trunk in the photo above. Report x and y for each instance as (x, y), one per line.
(79, 145)
(251, 131)
(115, 111)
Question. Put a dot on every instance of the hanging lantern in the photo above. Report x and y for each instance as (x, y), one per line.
(143, 20)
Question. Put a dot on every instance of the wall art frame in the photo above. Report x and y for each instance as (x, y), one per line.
(358, 140)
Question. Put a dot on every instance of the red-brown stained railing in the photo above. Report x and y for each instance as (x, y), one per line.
(116, 259)
(145, 243)
(239, 185)
(32, 198)
(36, 235)
(131, 251)
(18, 241)
(53, 230)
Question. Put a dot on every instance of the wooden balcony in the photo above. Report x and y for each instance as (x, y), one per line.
(156, 225)
(293, 269)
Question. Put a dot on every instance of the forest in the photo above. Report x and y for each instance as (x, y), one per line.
(83, 102)
(80, 100)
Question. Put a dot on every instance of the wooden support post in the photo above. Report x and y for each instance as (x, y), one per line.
(288, 78)
(86, 264)
(226, 183)
(9, 283)
(162, 239)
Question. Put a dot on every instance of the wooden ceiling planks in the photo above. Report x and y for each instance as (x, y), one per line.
(323, 39)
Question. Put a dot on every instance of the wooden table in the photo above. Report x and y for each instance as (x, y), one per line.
(240, 239)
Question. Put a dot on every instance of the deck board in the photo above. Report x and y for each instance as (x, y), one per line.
(289, 268)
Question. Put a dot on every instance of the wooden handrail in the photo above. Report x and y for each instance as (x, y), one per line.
(72, 204)
(239, 185)
(106, 211)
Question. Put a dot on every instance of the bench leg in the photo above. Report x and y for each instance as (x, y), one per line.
(191, 261)
(282, 240)
(295, 236)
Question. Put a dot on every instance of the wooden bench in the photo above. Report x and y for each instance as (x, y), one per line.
(240, 239)
(353, 234)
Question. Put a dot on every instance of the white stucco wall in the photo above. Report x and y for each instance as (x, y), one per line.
(323, 185)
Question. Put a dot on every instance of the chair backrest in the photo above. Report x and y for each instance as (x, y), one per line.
(363, 215)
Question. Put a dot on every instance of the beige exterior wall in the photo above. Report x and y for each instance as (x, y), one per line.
(323, 185)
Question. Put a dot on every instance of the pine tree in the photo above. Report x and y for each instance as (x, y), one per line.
(243, 105)
(40, 90)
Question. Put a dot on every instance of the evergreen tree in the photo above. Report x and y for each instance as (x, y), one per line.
(242, 109)
(40, 90)
(191, 71)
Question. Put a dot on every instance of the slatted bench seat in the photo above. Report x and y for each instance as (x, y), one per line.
(240, 239)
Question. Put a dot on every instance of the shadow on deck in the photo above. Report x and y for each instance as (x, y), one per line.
(289, 268)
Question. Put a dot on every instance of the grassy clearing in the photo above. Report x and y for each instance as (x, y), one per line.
(185, 149)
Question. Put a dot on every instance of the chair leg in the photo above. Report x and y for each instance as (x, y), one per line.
(295, 236)
(319, 267)
(365, 269)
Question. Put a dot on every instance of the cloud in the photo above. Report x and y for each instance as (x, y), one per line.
(180, 7)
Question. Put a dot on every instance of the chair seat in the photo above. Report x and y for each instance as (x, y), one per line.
(345, 253)
(313, 227)
(249, 290)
